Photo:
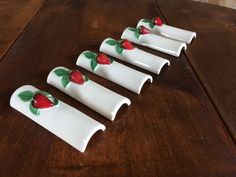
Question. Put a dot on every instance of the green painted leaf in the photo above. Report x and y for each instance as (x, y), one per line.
(119, 50)
(146, 21)
(111, 60)
(55, 101)
(65, 80)
(132, 29)
(93, 64)
(137, 35)
(136, 32)
(34, 111)
(112, 42)
(90, 55)
(86, 78)
(151, 24)
(26, 95)
(60, 72)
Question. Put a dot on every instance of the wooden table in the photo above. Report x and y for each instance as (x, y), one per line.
(184, 124)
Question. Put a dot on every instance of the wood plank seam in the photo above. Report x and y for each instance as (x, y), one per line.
(211, 99)
(201, 83)
(13, 42)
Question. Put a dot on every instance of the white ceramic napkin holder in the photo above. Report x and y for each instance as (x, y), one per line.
(91, 94)
(154, 41)
(168, 31)
(125, 51)
(120, 74)
(61, 119)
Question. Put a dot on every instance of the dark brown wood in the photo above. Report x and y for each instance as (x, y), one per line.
(213, 54)
(14, 16)
(170, 129)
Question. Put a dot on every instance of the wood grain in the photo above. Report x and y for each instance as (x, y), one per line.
(170, 129)
(212, 55)
(14, 16)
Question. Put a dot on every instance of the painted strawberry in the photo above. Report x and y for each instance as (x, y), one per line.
(126, 44)
(103, 59)
(76, 77)
(144, 30)
(157, 21)
(41, 101)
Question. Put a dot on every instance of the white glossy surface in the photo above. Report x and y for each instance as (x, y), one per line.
(136, 57)
(157, 42)
(171, 32)
(89, 93)
(63, 120)
(118, 73)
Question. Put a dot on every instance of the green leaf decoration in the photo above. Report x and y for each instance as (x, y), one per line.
(93, 64)
(132, 29)
(137, 35)
(55, 102)
(34, 111)
(60, 72)
(119, 50)
(112, 42)
(146, 21)
(65, 80)
(26, 95)
(136, 32)
(90, 55)
(86, 78)
(111, 60)
(151, 24)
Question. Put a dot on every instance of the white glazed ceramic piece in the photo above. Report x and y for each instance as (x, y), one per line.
(168, 31)
(91, 94)
(57, 117)
(154, 41)
(125, 51)
(120, 74)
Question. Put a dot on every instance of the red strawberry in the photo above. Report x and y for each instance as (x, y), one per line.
(144, 30)
(126, 44)
(76, 77)
(103, 59)
(41, 101)
(157, 21)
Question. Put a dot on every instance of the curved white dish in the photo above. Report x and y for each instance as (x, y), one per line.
(134, 56)
(170, 31)
(62, 120)
(118, 73)
(89, 93)
(154, 41)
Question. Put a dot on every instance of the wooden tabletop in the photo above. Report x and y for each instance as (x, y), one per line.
(183, 124)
